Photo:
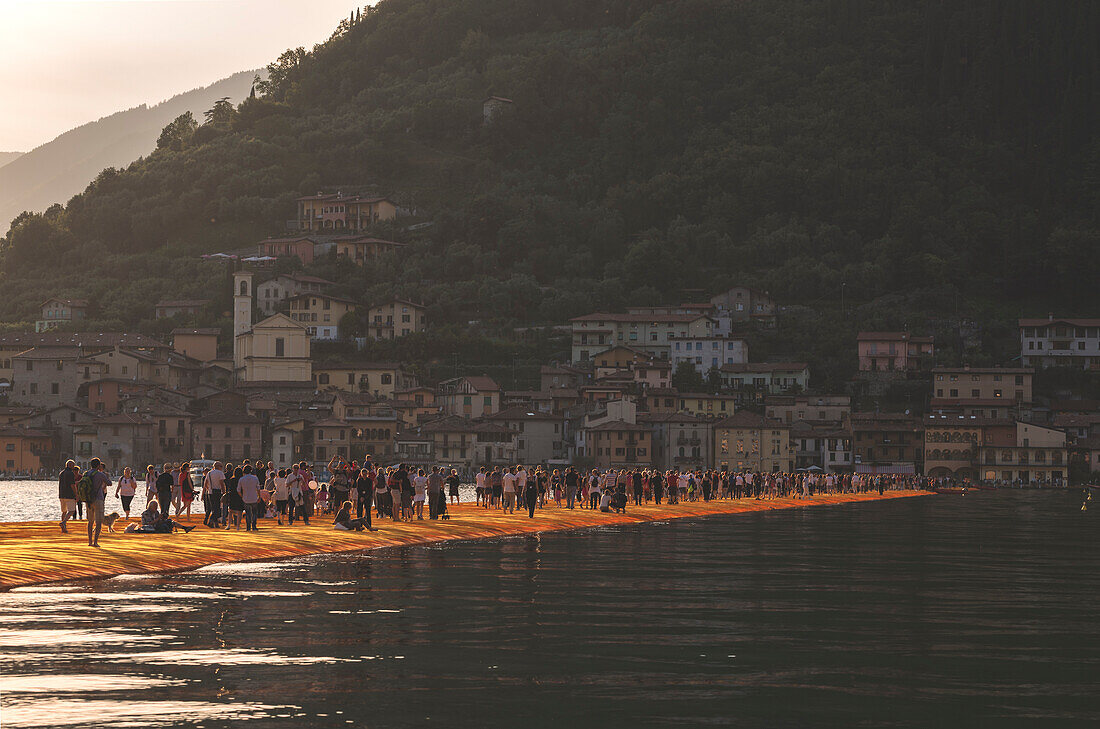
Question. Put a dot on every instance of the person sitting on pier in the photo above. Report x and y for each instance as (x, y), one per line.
(344, 523)
(155, 522)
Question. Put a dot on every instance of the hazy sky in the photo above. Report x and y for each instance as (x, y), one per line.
(67, 62)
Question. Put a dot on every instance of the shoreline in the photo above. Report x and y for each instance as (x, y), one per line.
(34, 553)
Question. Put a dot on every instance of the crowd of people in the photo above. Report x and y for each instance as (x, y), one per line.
(356, 493)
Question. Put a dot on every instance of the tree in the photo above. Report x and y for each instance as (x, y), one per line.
(178, 133)
(686, 378)
(220, 115)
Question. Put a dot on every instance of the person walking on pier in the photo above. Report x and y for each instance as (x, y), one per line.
(165, 483)
(531, 496)
(66, 493)
(96, 497)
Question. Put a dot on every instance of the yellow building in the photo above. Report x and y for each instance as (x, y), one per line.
(618, 444)
(343, 212)
(320, 314)
(705, 405)
(276, 349)
(396, 319)
(748, 442)
(380, 379)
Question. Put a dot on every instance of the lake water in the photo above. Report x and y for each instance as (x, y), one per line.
(944, 611)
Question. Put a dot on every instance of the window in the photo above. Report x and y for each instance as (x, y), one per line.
(280, 347)
(488, 401)
(228, 432)
(54, 388)
(209, 432)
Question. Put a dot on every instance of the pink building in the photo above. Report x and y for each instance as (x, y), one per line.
(892, 351)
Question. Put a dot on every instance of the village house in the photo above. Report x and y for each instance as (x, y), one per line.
(271, 294)
(894, 352)
(337, 212)
(1055, 342)
(618, 444)
(48, 376)
(994, 392)
(889, 443)
(660, 400)
(367, 435)
(470, 397)
(562, 376)
(773, 378)
(951, 445)
(25, 450)
(742, 304)
(56, 312)
(707, 353)
(88, 343)
(287, 248)
(414, 404)
(200, 345)
(381, 379)
(540, 436)
(651, 334)
(679, 440)
(180, 307)
(227, 436)
(360, 249)
(60, 422)
(1025, 453)
(470, 443)
(119, 440)
(396, 318)
(171, 433)
(750, 442)
(705, 405)
(287, 442)
(809, 408)
(320, 314)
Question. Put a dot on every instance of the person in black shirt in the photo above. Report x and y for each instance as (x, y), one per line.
(572, 481)
(365, 488)
(165, 482)
(66, 493)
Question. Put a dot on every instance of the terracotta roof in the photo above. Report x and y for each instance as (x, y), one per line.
(521, 413)
(207, 331)
(892, 337)
(764, 367)
(456, 423)
(951, 402)
(49, 353)
(181, 303)
(356, 366)
(1071, 322)
(743, 420)
(355, 398)
(983, 370)
(77, 339)
(228, 416)
(671, 418)
(482, 383)
(15, 431)
(682, 318)
(617, 425)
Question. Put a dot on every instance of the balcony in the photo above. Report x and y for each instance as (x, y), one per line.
(682, 440)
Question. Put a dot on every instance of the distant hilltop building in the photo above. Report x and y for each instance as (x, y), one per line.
(56, 312)
(337, 211)
(1054, 342)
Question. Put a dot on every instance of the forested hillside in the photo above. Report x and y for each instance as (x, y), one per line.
(57, 170)
(934, 159)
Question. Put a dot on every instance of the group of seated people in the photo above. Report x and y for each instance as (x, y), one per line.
(155, 522)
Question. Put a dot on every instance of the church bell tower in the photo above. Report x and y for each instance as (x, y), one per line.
(242, 306)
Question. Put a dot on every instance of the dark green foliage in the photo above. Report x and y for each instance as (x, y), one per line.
(917, 154)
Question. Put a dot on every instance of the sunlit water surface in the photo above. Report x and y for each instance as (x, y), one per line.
(975, 610)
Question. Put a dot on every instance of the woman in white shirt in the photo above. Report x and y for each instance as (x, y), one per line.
(420, 485)
(126, 489)
(281, 494)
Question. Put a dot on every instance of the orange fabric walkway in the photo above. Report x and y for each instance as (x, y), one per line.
(35, 552)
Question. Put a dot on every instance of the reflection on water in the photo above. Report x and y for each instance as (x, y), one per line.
(933, 612)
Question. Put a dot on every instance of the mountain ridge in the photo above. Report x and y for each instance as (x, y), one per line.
(55, 171)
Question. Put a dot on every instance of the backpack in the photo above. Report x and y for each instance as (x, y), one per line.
(85, 488)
